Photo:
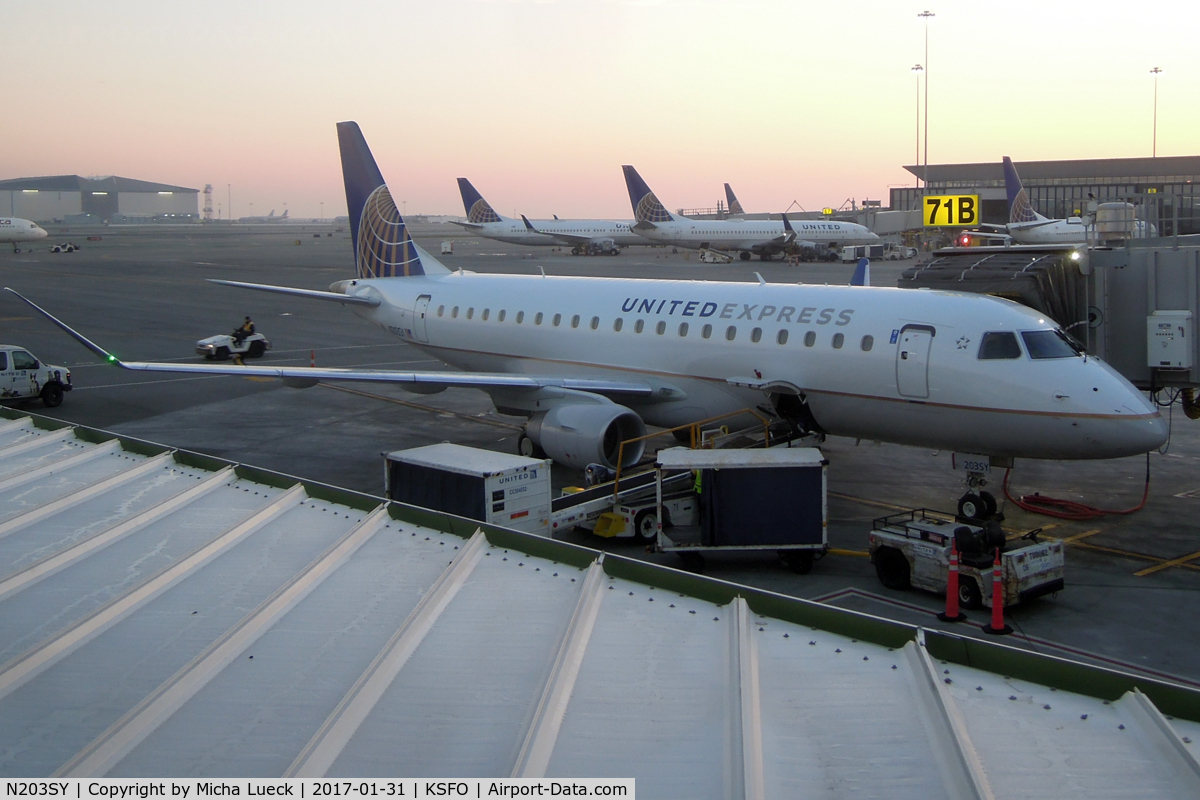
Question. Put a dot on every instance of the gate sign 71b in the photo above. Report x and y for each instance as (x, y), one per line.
(951, 210)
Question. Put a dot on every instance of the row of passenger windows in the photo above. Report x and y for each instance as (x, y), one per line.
(706, 331)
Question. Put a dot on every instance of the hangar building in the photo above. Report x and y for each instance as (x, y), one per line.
(1165, 187)
(75, 199)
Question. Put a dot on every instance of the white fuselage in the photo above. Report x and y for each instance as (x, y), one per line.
(876, 363)
(15, 229)
(755, 236)
(514, 231)
(1063, 231)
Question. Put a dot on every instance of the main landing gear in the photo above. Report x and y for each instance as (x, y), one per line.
(977, 505)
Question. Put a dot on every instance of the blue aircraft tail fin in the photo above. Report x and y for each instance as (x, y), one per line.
(382, 246)
(646, 207)
(1019, 208)
(478, 210)
(734, 206)
(862, 273)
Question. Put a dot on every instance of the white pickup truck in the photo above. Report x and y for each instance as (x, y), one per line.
(24, 377)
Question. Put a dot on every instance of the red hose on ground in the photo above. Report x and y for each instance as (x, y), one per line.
(1069, 509)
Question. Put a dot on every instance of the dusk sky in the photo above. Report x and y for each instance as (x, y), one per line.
(540, 102)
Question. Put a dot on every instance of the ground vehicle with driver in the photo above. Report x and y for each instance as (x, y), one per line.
(24, 377)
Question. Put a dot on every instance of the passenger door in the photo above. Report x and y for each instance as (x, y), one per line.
(912, 360)
(419, 312)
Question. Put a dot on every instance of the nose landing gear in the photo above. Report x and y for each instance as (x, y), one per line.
(976, 504)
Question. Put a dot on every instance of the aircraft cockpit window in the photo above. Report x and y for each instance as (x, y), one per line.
(1050, 344)
(999, 344)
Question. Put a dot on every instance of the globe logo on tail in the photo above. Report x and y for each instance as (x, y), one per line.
(1022, 211)
(385, 250)
(481, 212)
(650, 210)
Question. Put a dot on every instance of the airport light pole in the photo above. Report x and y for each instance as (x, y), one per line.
(1154, 149)
(918, 69)
(926, 15)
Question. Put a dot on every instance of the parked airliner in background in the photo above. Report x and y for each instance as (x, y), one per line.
(764, 238)
(591, 361)
(14, 230)
(582, 235)
(269, 218)
(1027, 226)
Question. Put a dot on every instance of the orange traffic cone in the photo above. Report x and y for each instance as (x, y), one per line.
(997, 626)
(952, 614)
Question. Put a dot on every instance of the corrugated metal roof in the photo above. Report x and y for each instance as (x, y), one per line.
(1034, 171)
(78, 183)
(168, 614)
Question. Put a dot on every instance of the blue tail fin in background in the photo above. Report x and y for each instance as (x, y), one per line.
(478, 210)
(382, 246)
(862, 273)
(1019, 208)
(734, 206)
(646, 207)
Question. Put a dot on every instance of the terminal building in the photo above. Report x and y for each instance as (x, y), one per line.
(74, 199)
(1164, 188)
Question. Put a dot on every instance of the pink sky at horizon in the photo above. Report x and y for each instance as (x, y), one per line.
(539, 103)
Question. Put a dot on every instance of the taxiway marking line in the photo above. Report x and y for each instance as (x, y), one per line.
(865, 502)
(1175, 562)
(837, 551)
(1138, 556)
(1076, 537)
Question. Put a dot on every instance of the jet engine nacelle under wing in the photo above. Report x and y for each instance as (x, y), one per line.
(578, 434)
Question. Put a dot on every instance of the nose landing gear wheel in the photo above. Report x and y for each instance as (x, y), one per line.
(977, 506)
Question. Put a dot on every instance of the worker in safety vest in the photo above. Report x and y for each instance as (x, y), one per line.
(245, 330)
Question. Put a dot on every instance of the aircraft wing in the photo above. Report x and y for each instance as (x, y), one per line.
(300, 377)
(566, 238)
(471, 226)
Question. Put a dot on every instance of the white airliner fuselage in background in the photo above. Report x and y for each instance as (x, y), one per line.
(591, 360)
(14, 230)
(1027, 226)
(583, 234)
(764, 238)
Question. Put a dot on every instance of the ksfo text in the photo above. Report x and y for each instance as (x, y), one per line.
(187, 789)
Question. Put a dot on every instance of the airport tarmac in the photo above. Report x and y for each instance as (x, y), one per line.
(142, 293)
